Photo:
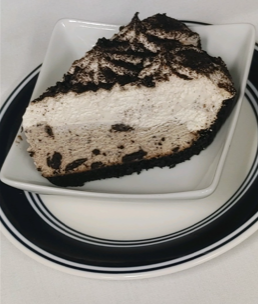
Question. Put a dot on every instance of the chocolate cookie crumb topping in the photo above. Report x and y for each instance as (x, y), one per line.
(121, 128)
(134, 156)
(54, 161)
(96, 151)
(75, 164)
(49, 131)
(96, 165)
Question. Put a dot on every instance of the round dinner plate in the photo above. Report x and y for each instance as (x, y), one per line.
(123, 239)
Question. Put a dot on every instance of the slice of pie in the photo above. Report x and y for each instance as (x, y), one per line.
(148, 97)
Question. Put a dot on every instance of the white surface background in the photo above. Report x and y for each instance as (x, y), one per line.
(26, 26)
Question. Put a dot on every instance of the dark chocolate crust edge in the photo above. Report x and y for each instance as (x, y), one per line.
(205, 139)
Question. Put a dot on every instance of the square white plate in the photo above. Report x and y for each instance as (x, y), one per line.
(192, 179)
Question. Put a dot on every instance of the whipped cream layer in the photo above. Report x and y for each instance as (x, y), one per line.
(193, 103)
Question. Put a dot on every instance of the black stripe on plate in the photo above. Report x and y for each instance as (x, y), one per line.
(127, 270)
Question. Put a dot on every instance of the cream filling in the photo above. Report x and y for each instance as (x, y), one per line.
(194, 103)
(78, 142)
